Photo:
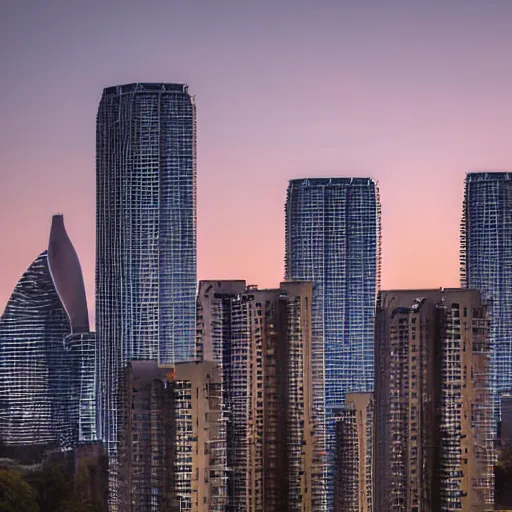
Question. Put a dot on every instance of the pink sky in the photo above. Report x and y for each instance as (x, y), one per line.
(413, 96)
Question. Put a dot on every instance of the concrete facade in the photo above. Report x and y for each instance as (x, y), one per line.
(172, 448)
(262, 341)
(434, 422)
(353, 485)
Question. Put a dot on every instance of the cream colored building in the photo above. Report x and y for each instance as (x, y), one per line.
(172, 439)
(353, 485)
(262, 340)
(434, 421)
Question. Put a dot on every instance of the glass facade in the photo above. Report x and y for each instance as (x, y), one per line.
(82, 391)
(32, 330)
(486, 263)
(41, 374)
(333, 239)
(146, 233)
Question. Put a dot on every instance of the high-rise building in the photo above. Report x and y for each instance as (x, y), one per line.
(353, 486)
(295, 356)
(213, 302)
(506, 420)
(47, 368)
(486, 263)
(261, 340)
(433, 407)
(172, 445)
(333, 239)
(145, 234)
(82, 373)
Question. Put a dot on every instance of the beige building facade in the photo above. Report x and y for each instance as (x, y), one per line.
(172, 447)
(353, 485)
(261, 339)
(434, 426)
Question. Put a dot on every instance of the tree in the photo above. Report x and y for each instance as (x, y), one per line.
(53, 487)
(91, 480)
(76, 506)
(15, 494)
(503, 478)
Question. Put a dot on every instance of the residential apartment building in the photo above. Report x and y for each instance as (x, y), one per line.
(353, 485)
(433, 407)
(261, 340)
(172, 447)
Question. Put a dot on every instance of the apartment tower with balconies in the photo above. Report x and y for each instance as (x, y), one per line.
(433, 406)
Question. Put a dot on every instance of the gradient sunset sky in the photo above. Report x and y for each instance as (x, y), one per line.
(413, 94)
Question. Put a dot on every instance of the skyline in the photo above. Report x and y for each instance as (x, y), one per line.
(361, 71)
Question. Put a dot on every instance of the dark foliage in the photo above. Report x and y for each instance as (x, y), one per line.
(503, 480)
(15, 494)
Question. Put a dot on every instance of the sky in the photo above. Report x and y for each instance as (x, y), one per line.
(413, 94)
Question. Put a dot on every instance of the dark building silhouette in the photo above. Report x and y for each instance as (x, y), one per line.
(47, 360)
(91, 474)
(506, 420)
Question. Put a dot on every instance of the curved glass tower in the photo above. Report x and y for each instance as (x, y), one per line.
(41, 375)
(486, 263)
(145, 233)
(333, 239)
